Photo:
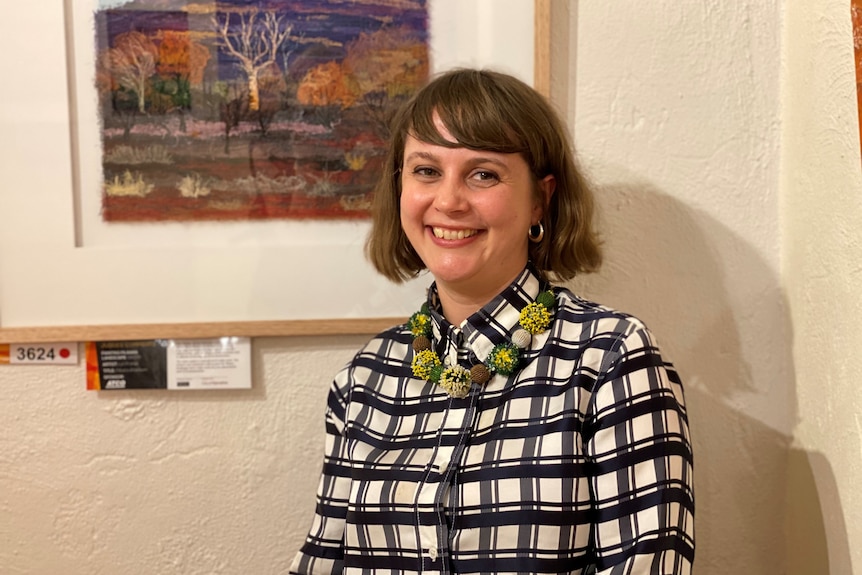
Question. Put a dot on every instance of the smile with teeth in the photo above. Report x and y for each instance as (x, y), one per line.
(453, 234)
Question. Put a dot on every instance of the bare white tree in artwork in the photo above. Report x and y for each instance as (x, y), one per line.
(132, 61)
(255, 44)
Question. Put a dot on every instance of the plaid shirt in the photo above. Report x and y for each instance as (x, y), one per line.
(578, 463)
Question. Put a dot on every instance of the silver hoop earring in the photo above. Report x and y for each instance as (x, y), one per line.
(536, 233)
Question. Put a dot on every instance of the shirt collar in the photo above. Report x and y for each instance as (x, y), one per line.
(494, 322)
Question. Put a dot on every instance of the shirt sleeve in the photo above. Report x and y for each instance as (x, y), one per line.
(322, 552)
(638, 445)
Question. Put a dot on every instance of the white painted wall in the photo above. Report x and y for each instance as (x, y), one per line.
(721, 137)
(822, 230)
(677, 119)
(160, 483)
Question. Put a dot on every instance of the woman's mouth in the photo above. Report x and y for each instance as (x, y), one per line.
(447, 234)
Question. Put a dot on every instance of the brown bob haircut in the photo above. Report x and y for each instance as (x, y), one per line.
(488, 110)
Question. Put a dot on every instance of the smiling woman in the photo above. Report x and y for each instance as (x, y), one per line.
(467, 214)
(509, 425)
(490, 113)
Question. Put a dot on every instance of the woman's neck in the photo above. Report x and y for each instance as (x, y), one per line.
(458, 304)
(457, 309)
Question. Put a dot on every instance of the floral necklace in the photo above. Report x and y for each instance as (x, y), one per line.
(503, 359)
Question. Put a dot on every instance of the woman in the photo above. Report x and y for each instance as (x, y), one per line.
(509, 426)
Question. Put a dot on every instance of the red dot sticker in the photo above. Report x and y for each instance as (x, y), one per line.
(65, 353)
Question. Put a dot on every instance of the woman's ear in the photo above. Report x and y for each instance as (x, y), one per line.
(547, 186)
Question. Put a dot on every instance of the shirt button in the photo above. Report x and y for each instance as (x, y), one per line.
(432, 553)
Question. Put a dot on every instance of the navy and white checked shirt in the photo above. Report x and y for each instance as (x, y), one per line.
(580, 462)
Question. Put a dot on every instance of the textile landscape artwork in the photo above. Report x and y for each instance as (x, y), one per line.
(242, 109)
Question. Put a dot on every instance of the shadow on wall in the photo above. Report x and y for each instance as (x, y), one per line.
(719, 312)
(813, 503)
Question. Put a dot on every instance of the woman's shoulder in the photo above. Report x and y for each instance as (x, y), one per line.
(391, 342)
(399, 333)
(385, 355)
(599, 318)
(581, 324)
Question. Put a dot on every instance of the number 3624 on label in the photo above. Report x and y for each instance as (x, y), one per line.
(43, 353)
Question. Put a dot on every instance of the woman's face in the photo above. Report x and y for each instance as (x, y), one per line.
(467, 214)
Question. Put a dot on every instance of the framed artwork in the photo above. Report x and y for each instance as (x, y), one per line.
(236, 110)
(100, 177)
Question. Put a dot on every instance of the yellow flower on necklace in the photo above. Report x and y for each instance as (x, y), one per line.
(504, 358)
(535, 318)
(424, 362)
(420, 323)
(456, 381)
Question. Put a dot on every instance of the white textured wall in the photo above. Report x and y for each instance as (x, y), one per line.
(728, 172)
(822, 218)
(677, 119)
(162, 483)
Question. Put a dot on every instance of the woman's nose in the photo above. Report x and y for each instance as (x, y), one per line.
(450, 196)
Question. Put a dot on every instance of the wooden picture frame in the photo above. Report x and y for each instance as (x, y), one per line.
(43, 275)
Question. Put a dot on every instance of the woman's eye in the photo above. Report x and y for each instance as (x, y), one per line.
(424, 172)
(485, 177)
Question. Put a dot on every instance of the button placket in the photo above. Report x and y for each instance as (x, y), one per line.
(434, 494)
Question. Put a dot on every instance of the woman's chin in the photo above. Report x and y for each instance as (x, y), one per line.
(451, 276)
